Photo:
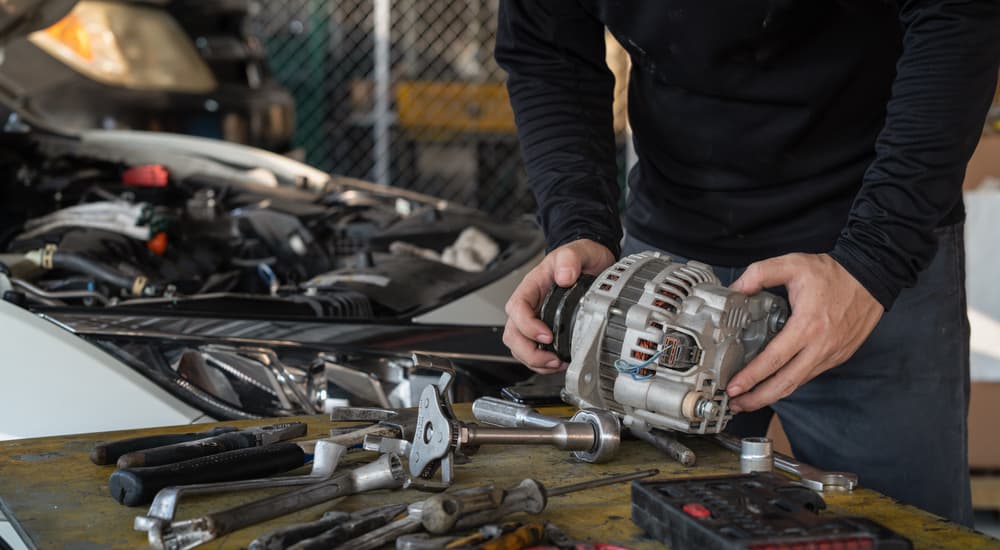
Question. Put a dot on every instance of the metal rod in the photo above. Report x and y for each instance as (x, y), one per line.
(601, 482)
(382, 19)
(570, 436)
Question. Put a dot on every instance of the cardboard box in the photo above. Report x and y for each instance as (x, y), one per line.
(985, 162)
(984, 436)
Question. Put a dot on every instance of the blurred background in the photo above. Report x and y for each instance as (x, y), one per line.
(406, 93)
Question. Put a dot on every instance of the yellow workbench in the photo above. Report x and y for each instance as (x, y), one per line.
(61, 499)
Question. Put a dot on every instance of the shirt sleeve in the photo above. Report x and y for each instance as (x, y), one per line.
(945, 79)
(561, 91)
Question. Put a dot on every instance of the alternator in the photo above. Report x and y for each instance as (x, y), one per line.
(656, 341)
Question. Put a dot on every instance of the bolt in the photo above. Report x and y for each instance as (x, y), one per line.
(706, 408)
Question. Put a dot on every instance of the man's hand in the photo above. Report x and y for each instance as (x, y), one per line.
(832, 315)
(524, 330)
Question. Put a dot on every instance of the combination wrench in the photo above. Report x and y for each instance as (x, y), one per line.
(812, 477)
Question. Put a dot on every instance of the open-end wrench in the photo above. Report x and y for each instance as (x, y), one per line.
(385, 473)
(326, 456)
(812, 477)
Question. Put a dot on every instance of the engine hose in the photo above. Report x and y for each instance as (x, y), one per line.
(80, 264)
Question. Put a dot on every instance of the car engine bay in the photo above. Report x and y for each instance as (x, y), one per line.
(79, 230)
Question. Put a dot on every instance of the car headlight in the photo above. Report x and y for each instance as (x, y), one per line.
(126, 45)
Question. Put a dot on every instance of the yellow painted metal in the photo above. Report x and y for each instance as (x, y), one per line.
(62, 499)
(449, 107)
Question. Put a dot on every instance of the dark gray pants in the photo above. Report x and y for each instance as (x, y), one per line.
(895, 413)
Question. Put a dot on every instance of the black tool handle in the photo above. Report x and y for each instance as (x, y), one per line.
(187, 450)
(134, 486)
(108, 453)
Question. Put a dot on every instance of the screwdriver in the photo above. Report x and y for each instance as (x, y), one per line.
(476, 506)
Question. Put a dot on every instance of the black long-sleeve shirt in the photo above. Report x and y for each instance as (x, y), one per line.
(762, 127)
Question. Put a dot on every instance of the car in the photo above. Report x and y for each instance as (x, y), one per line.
(152, 278)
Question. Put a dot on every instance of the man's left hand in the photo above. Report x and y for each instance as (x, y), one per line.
(832, 315)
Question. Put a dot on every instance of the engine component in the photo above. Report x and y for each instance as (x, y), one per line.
(656, 341)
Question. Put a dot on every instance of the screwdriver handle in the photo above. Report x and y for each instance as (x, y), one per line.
(108, 453)
(446, 512)
(135, 486)
(178, 452)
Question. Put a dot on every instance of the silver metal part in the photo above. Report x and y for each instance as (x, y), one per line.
(327, 455)
(658, 340)
(500, 412)
(607, 435)
(812, 477)
(423, 541)
(385, 473)
(505, 413)
(432, 447)
(383, 535)
(756, 455)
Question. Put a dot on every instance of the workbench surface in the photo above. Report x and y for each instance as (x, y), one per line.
(61, 499)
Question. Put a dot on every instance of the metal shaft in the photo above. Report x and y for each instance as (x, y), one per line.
(600, 482)
(674, 449)
(499, 412)
(569, 436)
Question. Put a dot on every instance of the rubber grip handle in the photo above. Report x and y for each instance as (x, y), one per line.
(109, 453)
(135, 486)
(197, 448)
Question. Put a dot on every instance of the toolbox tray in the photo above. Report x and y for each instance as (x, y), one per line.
(758, 511)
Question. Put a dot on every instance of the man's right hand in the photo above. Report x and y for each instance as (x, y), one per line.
(524, 330)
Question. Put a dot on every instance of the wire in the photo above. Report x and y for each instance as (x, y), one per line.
(625, 367)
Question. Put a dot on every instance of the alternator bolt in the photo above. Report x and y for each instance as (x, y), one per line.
(706, 408)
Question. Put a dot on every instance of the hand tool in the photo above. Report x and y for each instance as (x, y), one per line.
(522, 537)
(385, 473)
(475, 506)
(755, 511)
(500, 412)
(812, 477)
(559, 540)
(756, 455)
(326, 456)
(251, 437)
(425, 541)
(395, 423)
(135, 486)
(108, 453)
(439, 435)
(335, 527)
(387, 423)
(607, 429)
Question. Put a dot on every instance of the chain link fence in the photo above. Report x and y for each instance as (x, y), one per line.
(407, 93)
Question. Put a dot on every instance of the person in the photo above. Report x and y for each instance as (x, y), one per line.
(817, 147)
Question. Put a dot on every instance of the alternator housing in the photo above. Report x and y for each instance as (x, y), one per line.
(656, 341)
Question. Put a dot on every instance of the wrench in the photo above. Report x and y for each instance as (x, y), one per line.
(385, 473)
(812, 477)
(334, 528)
(327, 455)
